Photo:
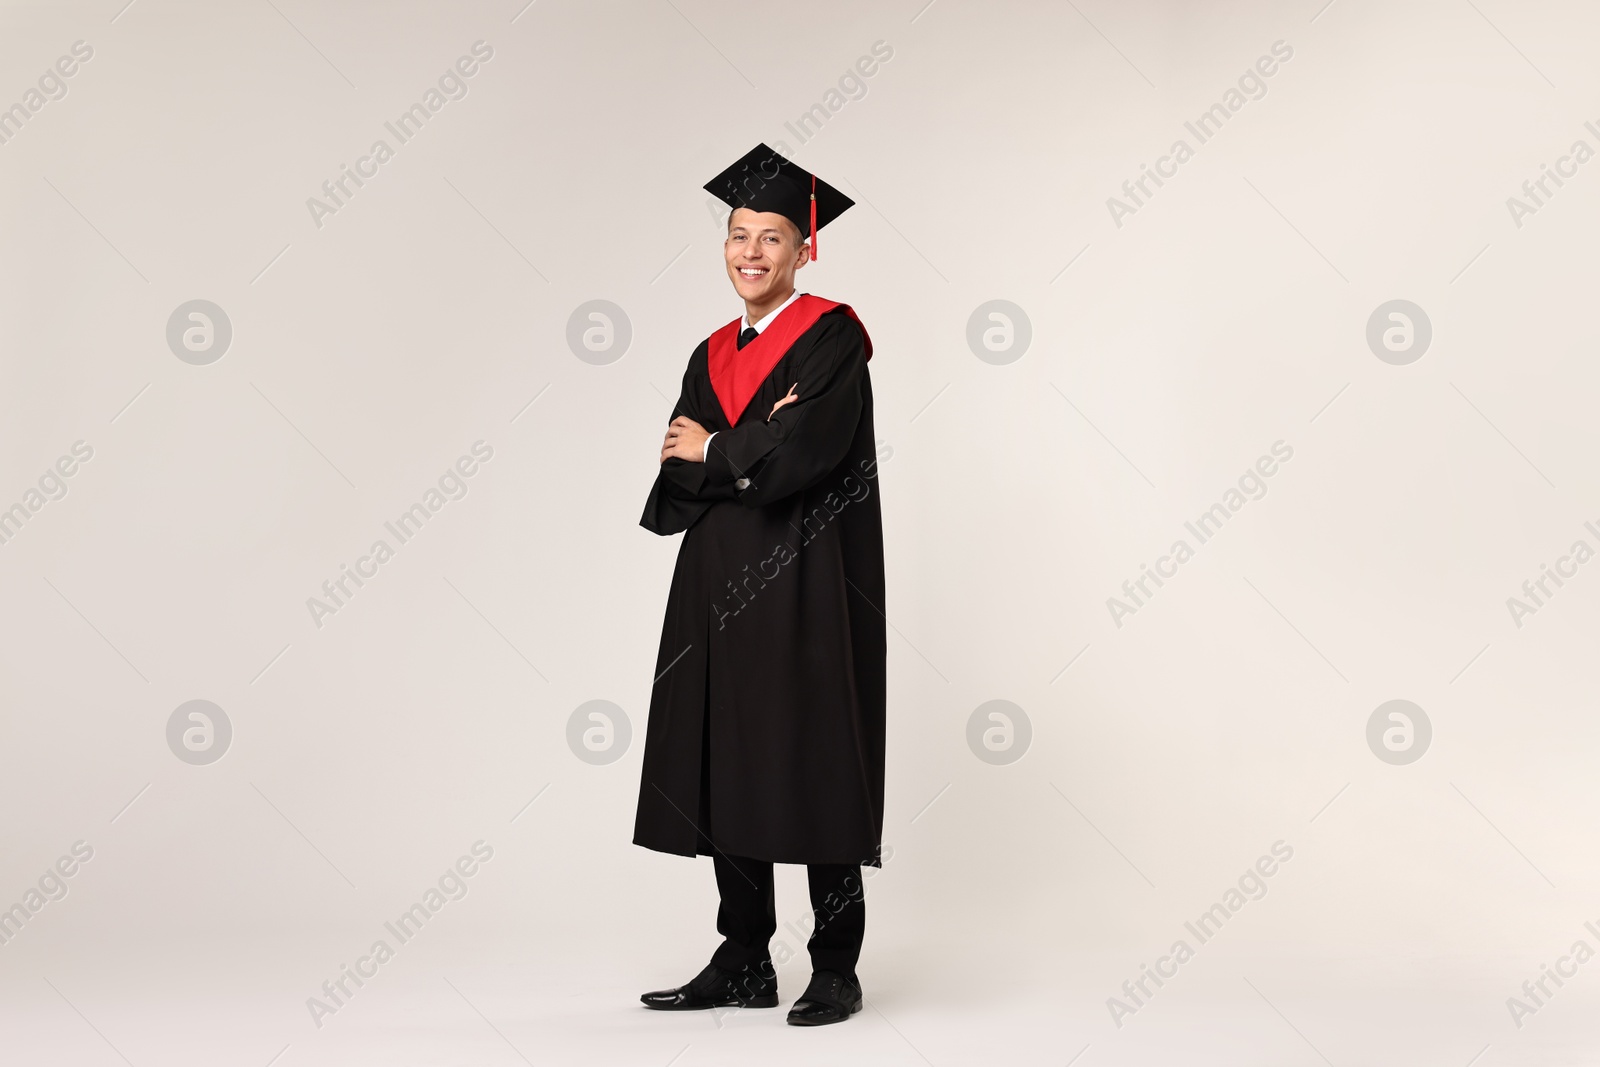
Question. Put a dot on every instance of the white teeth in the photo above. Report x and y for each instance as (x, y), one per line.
(751, 272)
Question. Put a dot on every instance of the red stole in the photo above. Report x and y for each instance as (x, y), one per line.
(736, 373)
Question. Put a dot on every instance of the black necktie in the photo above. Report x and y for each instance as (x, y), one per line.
(747, 336)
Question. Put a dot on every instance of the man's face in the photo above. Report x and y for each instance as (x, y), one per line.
(763, 250)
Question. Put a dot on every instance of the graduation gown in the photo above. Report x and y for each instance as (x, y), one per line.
(766, 726)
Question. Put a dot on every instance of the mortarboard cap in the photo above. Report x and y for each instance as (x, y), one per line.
(765, 181)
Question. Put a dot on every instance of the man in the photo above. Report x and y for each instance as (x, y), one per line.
(766, 734)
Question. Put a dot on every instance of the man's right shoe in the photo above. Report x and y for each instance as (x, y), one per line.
(717, 988)
(830, 998)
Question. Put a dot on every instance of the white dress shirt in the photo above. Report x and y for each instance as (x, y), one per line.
(760, 325)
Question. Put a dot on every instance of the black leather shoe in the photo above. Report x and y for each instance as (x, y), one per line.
(830, 998)
(754, 987)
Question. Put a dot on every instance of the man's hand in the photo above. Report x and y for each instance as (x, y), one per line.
(685, 439)
(788, 398)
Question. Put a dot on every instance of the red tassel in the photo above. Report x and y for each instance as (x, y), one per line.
(813, 216)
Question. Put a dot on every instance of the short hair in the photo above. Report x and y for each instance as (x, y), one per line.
(799, 238)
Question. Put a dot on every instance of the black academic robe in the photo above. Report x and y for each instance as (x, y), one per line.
(766, 727)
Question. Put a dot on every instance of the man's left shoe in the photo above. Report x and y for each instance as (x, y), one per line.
(830, 998)
(754, 987)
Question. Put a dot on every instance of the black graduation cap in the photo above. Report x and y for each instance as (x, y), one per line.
(765, 181)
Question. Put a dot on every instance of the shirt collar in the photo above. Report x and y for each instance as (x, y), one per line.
(766, 320)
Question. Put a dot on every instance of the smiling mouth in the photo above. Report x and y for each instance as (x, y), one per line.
(753, 272)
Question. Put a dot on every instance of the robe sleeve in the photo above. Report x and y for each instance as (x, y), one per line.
(681, 493)
(808, 437)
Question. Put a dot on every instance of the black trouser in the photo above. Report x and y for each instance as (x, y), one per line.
(746, 918)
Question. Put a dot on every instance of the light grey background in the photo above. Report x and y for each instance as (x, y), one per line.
(1167, 354)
